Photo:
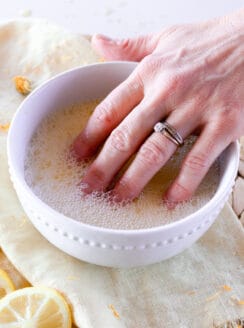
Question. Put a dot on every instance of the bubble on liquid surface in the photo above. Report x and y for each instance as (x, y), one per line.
(55, 175)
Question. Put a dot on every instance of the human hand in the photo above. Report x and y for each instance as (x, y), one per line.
(192, 76)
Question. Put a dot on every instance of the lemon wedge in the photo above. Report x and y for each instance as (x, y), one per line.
(34, 307)
(6, 284)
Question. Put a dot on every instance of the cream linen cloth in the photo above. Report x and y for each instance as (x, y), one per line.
(185, 291)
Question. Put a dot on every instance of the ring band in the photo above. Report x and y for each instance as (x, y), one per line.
(170, 132)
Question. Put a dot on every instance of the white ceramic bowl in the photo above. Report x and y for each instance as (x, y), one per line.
(108, 247)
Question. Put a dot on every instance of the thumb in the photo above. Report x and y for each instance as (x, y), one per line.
(134, 49)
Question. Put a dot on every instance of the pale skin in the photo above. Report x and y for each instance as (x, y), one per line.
(190, 75)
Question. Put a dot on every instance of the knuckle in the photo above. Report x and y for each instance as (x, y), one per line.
(150, 64)
(120, 140)
(105, 113)
(130, 47)
(124, 44)
(197, 163)
(152, 154)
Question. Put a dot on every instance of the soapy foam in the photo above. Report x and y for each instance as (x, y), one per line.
(54, 176)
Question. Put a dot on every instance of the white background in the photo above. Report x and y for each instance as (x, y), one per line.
(118, 17)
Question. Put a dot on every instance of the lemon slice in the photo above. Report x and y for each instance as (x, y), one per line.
(6, 284)
(34, 307)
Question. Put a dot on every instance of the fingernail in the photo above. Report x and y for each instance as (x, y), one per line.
(103, 37)
(169, 202)
(85, 188)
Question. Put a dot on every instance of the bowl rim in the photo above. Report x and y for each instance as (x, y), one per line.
(218, 195)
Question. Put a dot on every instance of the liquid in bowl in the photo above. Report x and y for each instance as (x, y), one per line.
(55, 177)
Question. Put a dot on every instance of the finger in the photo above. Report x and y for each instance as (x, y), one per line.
(125, 49)
(207, 148)
(121, 144)
(153, 154)
(107, 115)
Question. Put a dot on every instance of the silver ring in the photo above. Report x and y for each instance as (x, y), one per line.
(169, 131)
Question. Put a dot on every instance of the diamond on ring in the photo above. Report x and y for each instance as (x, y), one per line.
(159, 127)
(169, 131)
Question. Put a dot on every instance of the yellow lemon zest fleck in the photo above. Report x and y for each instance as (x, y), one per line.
(226, 288)
(4, 127)
(115, 313)
(22, 85)
(191, 292)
